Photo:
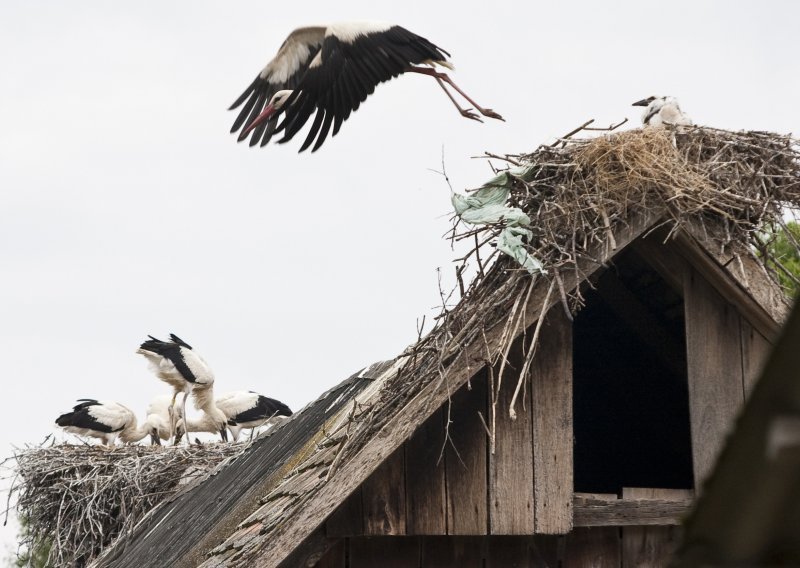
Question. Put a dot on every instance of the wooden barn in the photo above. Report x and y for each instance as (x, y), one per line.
(621, 414)
(566, 419)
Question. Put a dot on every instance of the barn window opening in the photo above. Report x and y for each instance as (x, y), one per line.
(630, 393)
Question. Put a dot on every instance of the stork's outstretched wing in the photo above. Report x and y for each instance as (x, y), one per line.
(284, 72)
(347, 69)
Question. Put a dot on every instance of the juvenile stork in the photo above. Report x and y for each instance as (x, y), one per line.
(106, 421)
(176, 363)
(244, 409)
(331, 70)
(662, 110)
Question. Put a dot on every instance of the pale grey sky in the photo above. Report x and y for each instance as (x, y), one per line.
(126, 208)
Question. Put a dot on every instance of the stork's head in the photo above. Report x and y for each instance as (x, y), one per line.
(273, 107)
(279, 99)
(646, 102)
(219, 420)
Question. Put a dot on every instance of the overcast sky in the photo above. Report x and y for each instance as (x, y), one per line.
(127, 209)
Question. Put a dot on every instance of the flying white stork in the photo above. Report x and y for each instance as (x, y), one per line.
(331, 70)
(175, 363)
(662, 110)
(244, 409)
(107, 421)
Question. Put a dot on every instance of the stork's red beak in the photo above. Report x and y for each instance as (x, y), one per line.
(263, 117)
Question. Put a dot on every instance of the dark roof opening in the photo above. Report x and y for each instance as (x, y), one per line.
(631, 404)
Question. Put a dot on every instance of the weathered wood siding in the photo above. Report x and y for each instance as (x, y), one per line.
(724, 354)
(595, 547)
(458, 486)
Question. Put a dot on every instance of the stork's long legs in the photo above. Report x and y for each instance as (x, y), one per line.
(186, 420)
(444, 77)
(465, 112)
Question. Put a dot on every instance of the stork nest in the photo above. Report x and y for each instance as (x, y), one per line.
(735, 187)
(78, 498)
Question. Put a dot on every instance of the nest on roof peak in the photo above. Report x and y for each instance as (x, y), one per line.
(575, 193)
(77, 498)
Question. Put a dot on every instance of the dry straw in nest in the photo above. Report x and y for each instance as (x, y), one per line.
(80, 497)
(578, 193)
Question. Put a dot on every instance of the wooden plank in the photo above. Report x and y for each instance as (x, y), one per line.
(594, 512)
(755, 352)
(384, 551)
(383, 497)
(511, 465)
(649, 547)
(546, 551)
(509, 552)
(453, 552)
(597, 547)
(758, 299)
(714, 357)
(335, 557)
(348, 518)
(551, 396)
(425, 491)
(465, 461)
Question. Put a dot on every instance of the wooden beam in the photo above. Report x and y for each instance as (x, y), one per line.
(592, 547)
(551, 390)
(384, 551)
(426, 499)
(348, 518)
(383, 497)
(755, 352)
(596, 511)
(511, 465)
(650, 546)
(714, 364)
(453, 551)
(465, 461)
(761, 302)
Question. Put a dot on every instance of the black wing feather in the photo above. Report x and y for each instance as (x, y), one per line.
(171, 350)
(348, 74)
(265, 408)
(80, 417)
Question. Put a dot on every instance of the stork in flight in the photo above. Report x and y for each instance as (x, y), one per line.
(107, 421)
(177, 364)
(244, 409)
(662, 110)
(331, 70)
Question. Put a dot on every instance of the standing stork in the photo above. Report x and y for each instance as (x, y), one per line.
(176, 363)
(106, 421)
(331, 70)
(662, 110)
(244, 409)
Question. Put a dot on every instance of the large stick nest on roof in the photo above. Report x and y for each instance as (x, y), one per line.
(79, 498)
(736, 186)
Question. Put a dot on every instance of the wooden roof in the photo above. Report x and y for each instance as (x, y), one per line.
(268, 507)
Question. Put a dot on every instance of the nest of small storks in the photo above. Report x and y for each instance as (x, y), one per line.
(78, 498)
(734, 187)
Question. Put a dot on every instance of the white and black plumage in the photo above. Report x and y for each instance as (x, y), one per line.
(662, 110)
(245, 410)
(105, 420)
(176, 363)
(160, 417)
(331, 70)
